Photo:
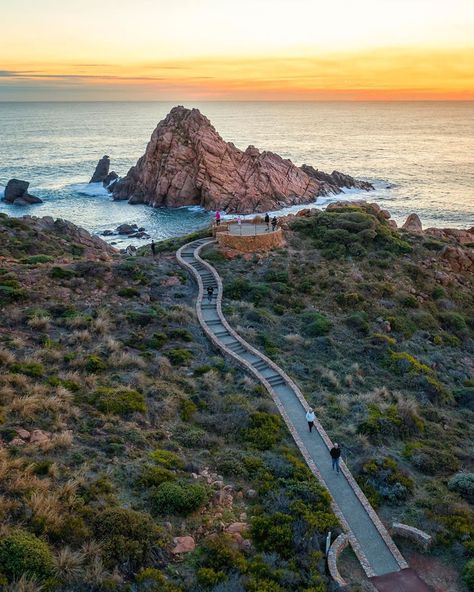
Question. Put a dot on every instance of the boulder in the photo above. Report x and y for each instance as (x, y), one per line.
(458, 259)
(126, 228)
(237, 527)
(413, 224)
(187, 162)
(16, 192)
(183, 544)
(22, 433)
(108, 233)
(39, 437)
(457, 235)
(17, 442)
(101, 170)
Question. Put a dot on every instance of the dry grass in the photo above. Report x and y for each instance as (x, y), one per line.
(25, 584)
(126, 359)
(40, 322)
(295, 339)
(6, 357)
(68, 565)
(83, 336)
(102, 324)
(62, 441)
(47, 506)
(112, 345)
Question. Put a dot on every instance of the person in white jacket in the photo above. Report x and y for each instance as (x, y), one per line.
(310, 417)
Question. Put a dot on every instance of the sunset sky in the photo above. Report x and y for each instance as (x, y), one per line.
(236, 50)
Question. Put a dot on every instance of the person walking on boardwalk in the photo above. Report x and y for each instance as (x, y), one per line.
(153, 248)
(274, 223)
(335, 453)
(267, 221)
(218, 218)
(310, 417)
(210, 293)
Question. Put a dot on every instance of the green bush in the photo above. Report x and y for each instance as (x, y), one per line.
(157, 340)
(22, 553)
(381, 479)
(453, 321)
(264, 430)
(167, 459)
(9, 294)
(468, 574)
(179, 357)
(359, 321)
(128, 292)
(33, 369)
(128, 537)
(463, 483)
(219, 554)
(35, 259)
(152, 476)
(209, 577)
(273, 533)
(118, 401)
(95, 364)
(403, 363)
(178, 498)
(187, 409)
(61, 273)
(315, 324)
(182, 334)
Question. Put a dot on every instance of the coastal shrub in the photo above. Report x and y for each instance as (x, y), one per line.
(61, 273)
(468, 574)
(32, 369)
(402, 324)
(35, 259)
(10, 294)
(465, 397)
(264, 431)
(209, 577)
(383, 481)
(220, 554)
(381, 424)
(409, 301)
(463, 483)
(152, 476)
(23, 553)
(359, 321)
(181, 334)
(403, 363)
(179, 357)
(453, 321)
(178, 498)
(118, 401)
(95, 364)
(237, 289)
(431, 459)
(128, 292)
(128, 537)
(273, 533)
(315, 324)
(157, 340)
(150, 579)
(167, 459)
(187, 409)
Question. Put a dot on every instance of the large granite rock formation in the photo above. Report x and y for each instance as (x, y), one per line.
(102, 174)
(187, 163)
(16, 192)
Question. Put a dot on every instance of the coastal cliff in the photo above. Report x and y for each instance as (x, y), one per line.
(187, 162)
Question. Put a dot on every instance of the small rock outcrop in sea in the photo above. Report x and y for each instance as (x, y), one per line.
(16, 192)
(102, 174)
(187, 162)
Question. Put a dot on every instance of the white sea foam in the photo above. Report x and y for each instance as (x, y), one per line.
(2, 191)
(90, 189)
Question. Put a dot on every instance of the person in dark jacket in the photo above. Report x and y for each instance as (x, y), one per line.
(153, 248)
(274, 223)
(267, 221)
(335, 453)
(210, 292)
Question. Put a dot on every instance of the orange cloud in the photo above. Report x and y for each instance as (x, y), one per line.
(384, 74)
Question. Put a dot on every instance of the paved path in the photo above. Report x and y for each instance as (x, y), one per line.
(368, 537)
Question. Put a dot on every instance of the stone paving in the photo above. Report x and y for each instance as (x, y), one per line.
(370, 540)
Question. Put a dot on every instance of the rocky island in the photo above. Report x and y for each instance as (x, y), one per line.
(187, 163)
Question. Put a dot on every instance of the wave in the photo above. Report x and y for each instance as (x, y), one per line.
(2, 191)
(89, 189)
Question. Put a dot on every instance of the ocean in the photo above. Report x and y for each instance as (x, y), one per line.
(418, 155)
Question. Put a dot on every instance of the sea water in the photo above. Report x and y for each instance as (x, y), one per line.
(418, 155)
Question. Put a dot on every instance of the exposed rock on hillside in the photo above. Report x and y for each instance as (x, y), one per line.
(188, 163)
(49, 237)
(413, 224)
(16, 192)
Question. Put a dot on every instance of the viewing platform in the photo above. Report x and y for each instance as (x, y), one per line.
(249, 236)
